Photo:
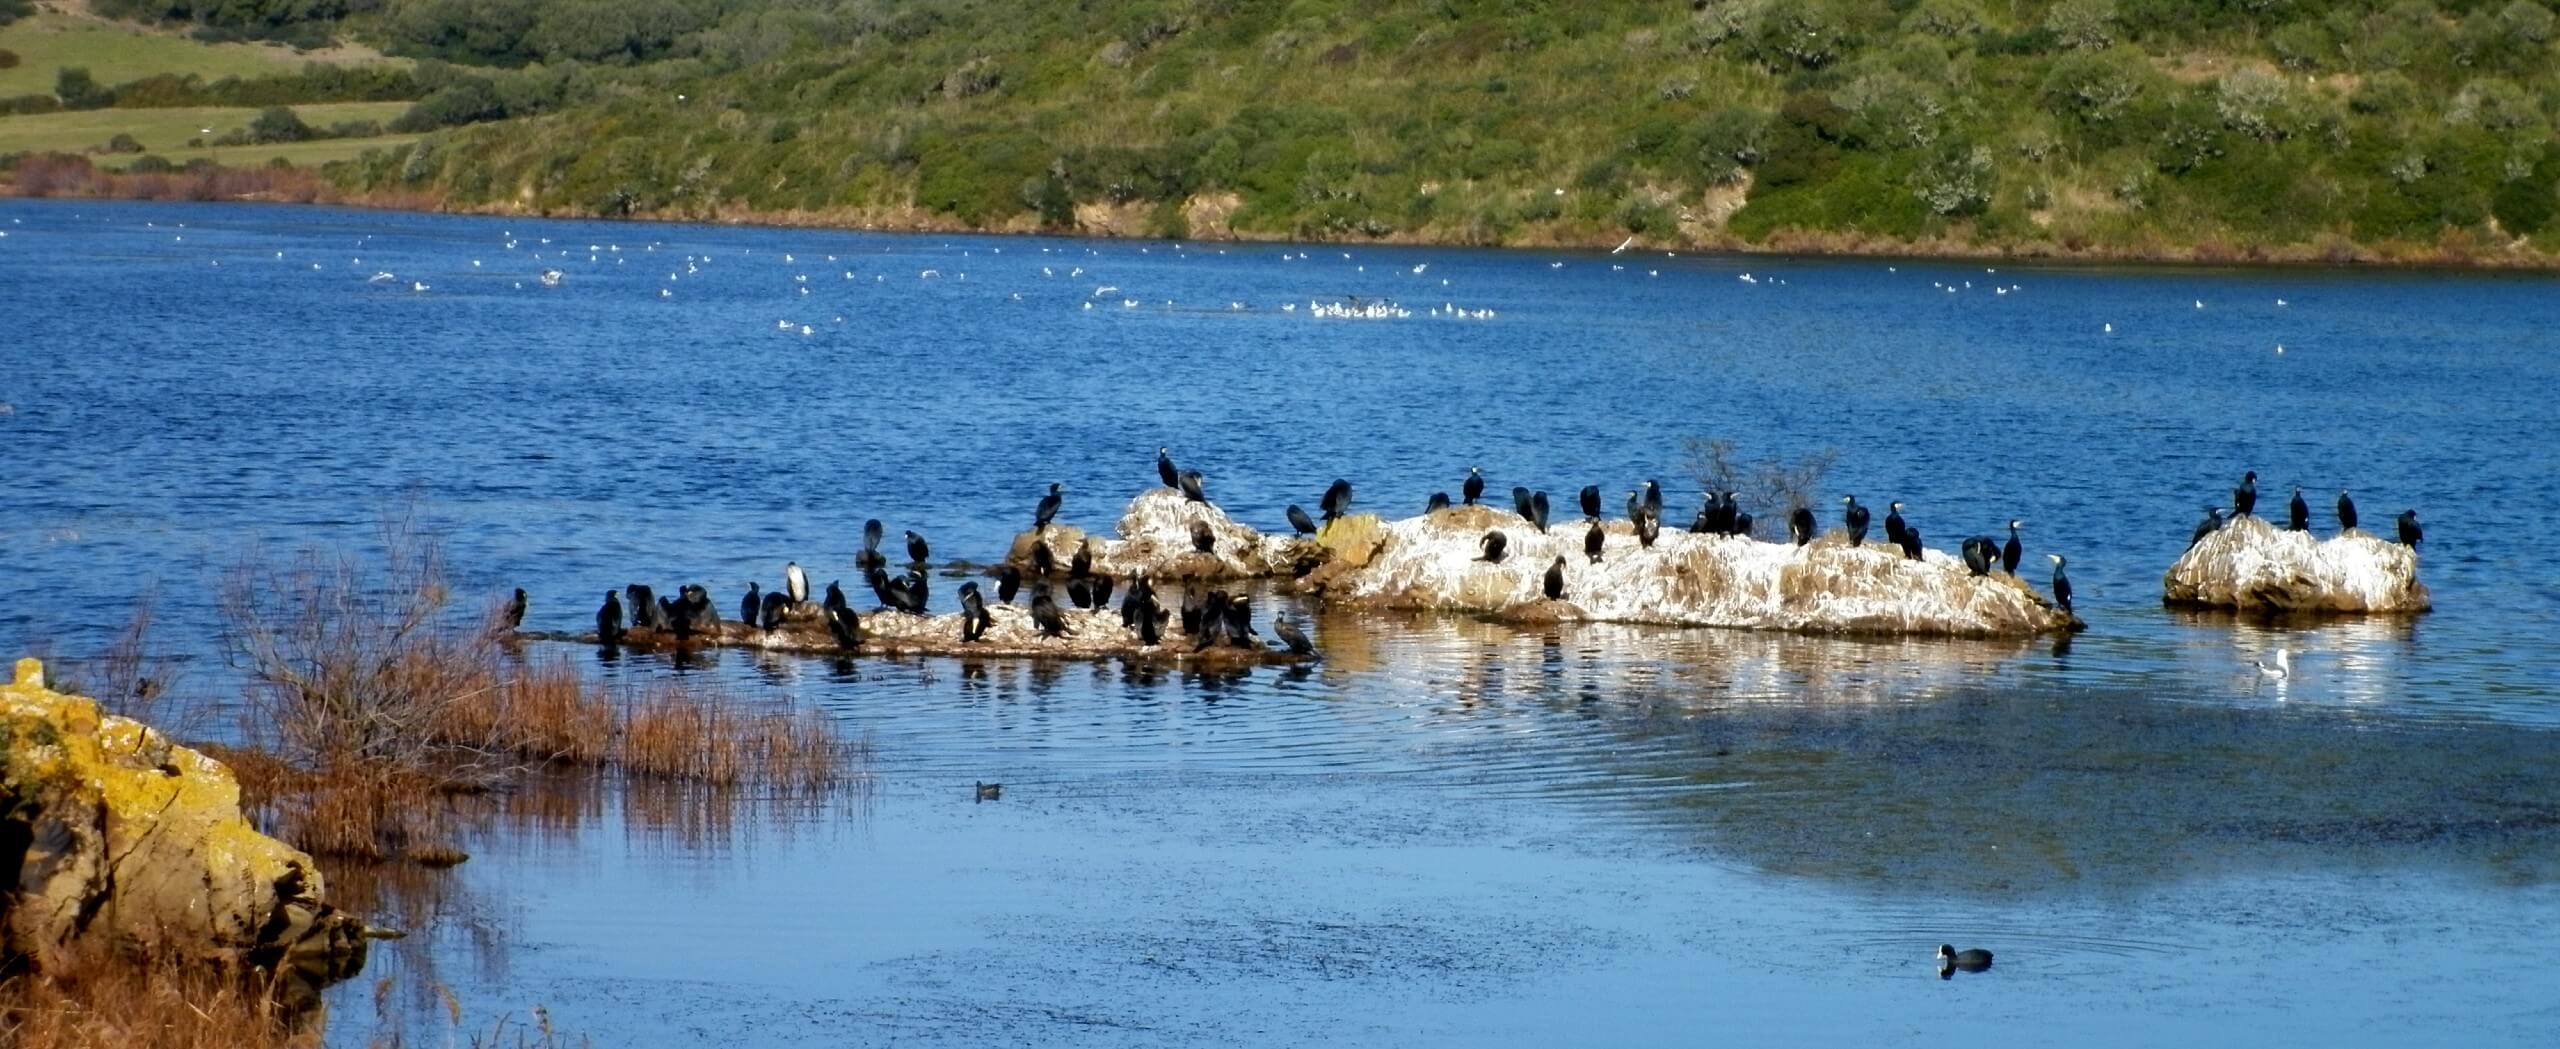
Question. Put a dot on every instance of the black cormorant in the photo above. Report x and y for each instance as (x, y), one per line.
(1240, 631)
(1194, 603)
(917, 552)
(1538, 510)
(752, 605)
(1648, 528)
(2212, 523)
(1972, 960)
(917, 587)
(1591, 501)
(1337, 499)
(1150, 623)
(1045, 615)
(1705, 522)
(2297, 514)
(1493, 545)
(1008, 583)
(974, 618)
(835, 596)
(1079, 594)
(776, 607)
(2244, 499)
(609, 619)
(1192, 482)
(1593, 540)
(1980, 554)
(644, 606)
(2061, 584)
(1164, 469)
(1653, 496)
(1911, 543)
(1102, 586)
(1044, 561)
(1474, 488)
(1800, 525)
(1202, 539)
(1211, 620)
(1300, 522)
(2346, 512)
(878, 580)
(2011, 552)
(1289, 634)
(1854, 518)
(1893, 523)
(515, 605)
(1439, 501)
(1555, 579)
(1521, 504)
(1082, 563)
(1049, 505)
(1742, 523)
(2410, 533)
(846, 627)
(871, 532)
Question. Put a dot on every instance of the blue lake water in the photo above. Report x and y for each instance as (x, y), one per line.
(1451, 832)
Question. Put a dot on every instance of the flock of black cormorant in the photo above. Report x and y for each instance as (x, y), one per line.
(2244, 503)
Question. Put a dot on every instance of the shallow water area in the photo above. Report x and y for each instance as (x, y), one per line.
(1447, 832)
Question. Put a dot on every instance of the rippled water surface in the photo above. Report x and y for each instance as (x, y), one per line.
(1448, 832)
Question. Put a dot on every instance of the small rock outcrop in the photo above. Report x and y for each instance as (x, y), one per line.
(1432, 563)
(2249, 565)
(1091, 634)
(107, 828)
(1155, 541)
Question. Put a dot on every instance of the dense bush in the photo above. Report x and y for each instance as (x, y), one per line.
(77, 90)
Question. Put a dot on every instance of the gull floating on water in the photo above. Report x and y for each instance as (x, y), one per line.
(2281, 669)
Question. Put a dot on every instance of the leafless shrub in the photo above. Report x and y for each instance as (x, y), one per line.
(1768, 488)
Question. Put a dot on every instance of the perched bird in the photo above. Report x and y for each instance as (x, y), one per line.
(2212, 523)
(1082, 563)
(835, 596)
(1523, 505)
(974, 617)
(752, 605)
(917, 552)
(917, 587)
(1742, 523)
(1893, 525)
(1008, 583)
(2297, 513)
(1493, 545)
(1150, 621)
(1102, 586)
(1439, 501)
(2011, 552)
(1202, 539)
(644, 606)
(880, 586)
(1653, 496)
(1972, 959)
(1192, 482)
(1800, 525)
(2061, 584)
(1593, 540)
(871, 532)
(2410, 533)
(795, 582)
(1194, 605)
(1591, 501)
(1044, 561)
(1045, 615)
(776, 608)
(1079, 593)
(1337, 500)
(846, 627)
(1555, 580)
(1300, 522)
(1854, 518)
(1474, 488)
(1049, 504)
(515, 605)
(1289, 634)
(609, 619)
(1648, 528)
(2346, 512)
(1538, 510)
(1911, 543)
(1705, 522)
(1980, 555)
(1165, 470)
(2244, 499)
(1240, 631)
(1211, 620)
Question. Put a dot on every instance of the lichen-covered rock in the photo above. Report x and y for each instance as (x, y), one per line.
(113, 830)
(1155, 541)
(1432, 563)
(2249, 565)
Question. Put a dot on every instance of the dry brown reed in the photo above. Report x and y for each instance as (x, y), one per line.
(91, 997)
(678, 730)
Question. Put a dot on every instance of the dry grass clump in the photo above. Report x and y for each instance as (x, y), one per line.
(92, 997)
(675, 730)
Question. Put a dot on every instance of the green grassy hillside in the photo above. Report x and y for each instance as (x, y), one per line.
(114, 53)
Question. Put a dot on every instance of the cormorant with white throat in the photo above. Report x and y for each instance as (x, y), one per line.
(2061, 584)
(2297, 513)
(2244, 499)
(2011, 552)
(1289, 634)
(917, 552)
(1893, 523)
(1165, 470)
(1474, 488)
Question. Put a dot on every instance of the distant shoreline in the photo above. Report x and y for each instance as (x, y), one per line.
(302, 186)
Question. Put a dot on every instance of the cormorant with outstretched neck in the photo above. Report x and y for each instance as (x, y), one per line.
(974, 617)
(2244, 499)
(1493, 544)
(1521, 504)
(846, 627)
(515, 609)
(835, 596)
(1008, 583)
(1337, 500)
(609, 619)
(2011, 552)
(2297, 514)
(2346, 512)
(1045, 615)
(1193, 490)
(752, 605)
(917, 552)
(1800, 525)
(1474, 488)
(2061, 584)
(1439, 501)
(795, 582)
(1911, 544)
(1854, 518)
(1300, 522)
(1290, 635)
(1980, 554)
(2212, 523)
(1202, 539)
(1049, 504)
(1893, 524)
(1538, 510)
(1555, 580)
(1591, 501)
(1593, 540)
(776, 608)
(1164, 468)
(2410, 533)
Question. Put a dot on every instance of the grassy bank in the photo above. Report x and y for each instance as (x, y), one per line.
(166, 132)
(115, 52)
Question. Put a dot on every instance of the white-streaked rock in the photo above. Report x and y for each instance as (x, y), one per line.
(1430, 563)
(2249, 565)
(1155, 541)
